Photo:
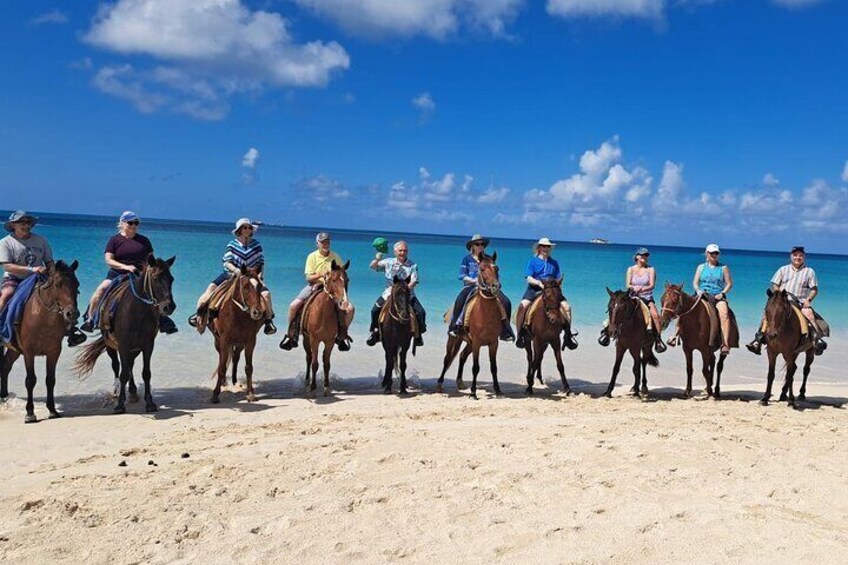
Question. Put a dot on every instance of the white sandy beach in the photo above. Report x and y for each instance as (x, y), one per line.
(364, 477)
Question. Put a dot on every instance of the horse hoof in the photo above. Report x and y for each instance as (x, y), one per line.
(529, 391)
(474, 396)
(460, 384)
(30, 419)
(251, 398)
(783, 398)
(716, 395)
(133, 397)
(439, 389)
(387, 390)
(326, 391)
(403, 392)
(644, 392)
(802, 396)
(764, 402)
(608, 394)
(566, 391)
(634, 390)
(498, 394)
(151, 408)
(53, 415)
(215, 400)
(120, 409)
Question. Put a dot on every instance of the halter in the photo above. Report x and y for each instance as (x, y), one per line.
(485, 288)
(57, 307)
(676, 311)
(240, 305)
(147, 287)
(324, 279)
(395, 311)
(550, 317)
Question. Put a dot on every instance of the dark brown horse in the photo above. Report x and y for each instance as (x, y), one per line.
(321, 323)
(47, 315)
(784, 337)
(627, 327)
(235, 327)
(545, 327)
(133, 329)
(396, 333)
(695, 334)
(483, 329)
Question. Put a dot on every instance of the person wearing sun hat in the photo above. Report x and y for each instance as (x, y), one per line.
(469, 269)
(242, 251)
(712, 279)
(126, 253)
(540, 267)
(22, 254)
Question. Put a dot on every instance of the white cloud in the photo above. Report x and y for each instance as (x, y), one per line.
(770, 180)
(493, 195)
(322, 189)
(250, 158)
(437, 19)
(53, 17)
(652, 9)
(845, 172)
(670, 188)
(206, 51)
(426, 106)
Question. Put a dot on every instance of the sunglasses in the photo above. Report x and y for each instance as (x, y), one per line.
(133, 223)
(544, 246)
(715, 252)
(25, 223)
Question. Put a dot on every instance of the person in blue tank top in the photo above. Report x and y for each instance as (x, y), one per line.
(713, 280)
(539, 268)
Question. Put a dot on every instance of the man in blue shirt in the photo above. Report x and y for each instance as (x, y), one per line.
(539, 268)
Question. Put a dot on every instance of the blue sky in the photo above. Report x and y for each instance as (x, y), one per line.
(649, 121)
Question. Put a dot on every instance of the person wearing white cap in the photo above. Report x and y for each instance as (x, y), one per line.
(539, 268)
(22, 254)
(712, 279)
(318, 263)
(242, 251)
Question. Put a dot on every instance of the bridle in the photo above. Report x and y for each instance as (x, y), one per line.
(240, 304)
(324, 280)
(675, 312)
(486, 290)
(57, 307)
(553, 319)
(398, 314)
(146, 288)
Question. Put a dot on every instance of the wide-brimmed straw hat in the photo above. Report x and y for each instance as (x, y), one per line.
(543, 241)
(16, 217)
(244, 222)
(474, 239)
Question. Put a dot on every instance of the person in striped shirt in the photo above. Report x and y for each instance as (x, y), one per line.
(243, 250)
(799, 280)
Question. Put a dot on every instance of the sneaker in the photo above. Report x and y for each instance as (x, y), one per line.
(76, 337)
(506, 334)
(192, 320)
(343, 343)
(288, 343)
(659, 346)
(820, 346)
(569, 342)
(419, 341)
(521, 342)
(373, 339)
(453, 331)
(604, 338)
(270, 328)
(87, 326)
(755, 347)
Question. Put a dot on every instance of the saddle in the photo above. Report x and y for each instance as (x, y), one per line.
(821, 323)
(715, 325)
(220, 295)
(104, 314)
(300, 322)
(471, 305)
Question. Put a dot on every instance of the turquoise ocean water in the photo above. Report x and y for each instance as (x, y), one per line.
(588, 269)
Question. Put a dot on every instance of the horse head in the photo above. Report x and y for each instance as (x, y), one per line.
(671, 303)
(778, 312)
(246, 294)
(400, 295)
(488, 279)
(335, 283)
(158, 282)
(551, 299)
(620, 308)
(61, 280)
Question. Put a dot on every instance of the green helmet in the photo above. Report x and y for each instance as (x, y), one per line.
(381, 244)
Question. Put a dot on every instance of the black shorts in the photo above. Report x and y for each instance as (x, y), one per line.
(220, 279)
(112, 274)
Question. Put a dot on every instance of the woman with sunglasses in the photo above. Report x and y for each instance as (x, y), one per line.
(126, 253)
(712, 279)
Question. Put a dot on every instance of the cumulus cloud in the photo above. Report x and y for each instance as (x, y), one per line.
(770, 180)
(250, 158)
(436, 19)
(670, 188)
(322, 188)
(845, 172)
(56, 17)
(651, 9)
(205, 51)
(426, 106)
(493, 195)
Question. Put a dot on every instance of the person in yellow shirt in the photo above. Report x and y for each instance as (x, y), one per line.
(318, 263)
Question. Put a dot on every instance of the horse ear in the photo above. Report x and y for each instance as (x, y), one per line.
(396, 279)
(559, 283)
(151, 260)
(243, 269)
(667, 285)
(681, 285)
(74, 265)
(495, 257)
(609, 292)
(334, 266)
(170, 261)
(769, 292)
(346, 265)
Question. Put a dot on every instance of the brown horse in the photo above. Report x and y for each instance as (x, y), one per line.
(320, 323)
(47, 315)
(235, 328)
(695, 335)
(628, 329)
(784, 337)
(545, 327)
(396, 333)
(483, 329)
(133, 329)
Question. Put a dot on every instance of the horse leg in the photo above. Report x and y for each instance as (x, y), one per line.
(224, 352)
(475, 370)
(530, 368)
(637, 370)
(791, 367)
(307, 349)
(802, 394)
(402, 361)
(708, 360)
(149, 405)
(561, 368)
(116, 371)
(328, 350)
(29, 360)
(772, 358)
(463, 357)
(644, 363)
(619, 356)
(537, 360)
(248, 370)
(50, 381)
(493, 366)
(687, 352)
(390, 353)
(451, 349)
(126, 375)
(7, 361)
(235, 361)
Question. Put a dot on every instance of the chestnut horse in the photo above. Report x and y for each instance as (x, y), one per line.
(235, 327)
(483, 329)
(545, 327)
(47, 315)
(695, 335)
(320, 323)
(628, 329)
(784, 337)
(134, 326)
(396, 333)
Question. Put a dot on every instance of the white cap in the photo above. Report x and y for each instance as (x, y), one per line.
(713, 248)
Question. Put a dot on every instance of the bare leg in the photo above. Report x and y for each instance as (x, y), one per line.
(207, 294)
(95, 298)
(724, 317)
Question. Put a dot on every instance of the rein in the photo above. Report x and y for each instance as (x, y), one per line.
(147, 287)
(552, 319)
(240, 305)
(396, 313)
(676, 311)
(484, 288)
(56, 308)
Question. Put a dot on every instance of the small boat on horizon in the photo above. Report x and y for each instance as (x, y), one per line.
(599, 241)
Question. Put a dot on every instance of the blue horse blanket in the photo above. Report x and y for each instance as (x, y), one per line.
(11, 314)
(107, 301)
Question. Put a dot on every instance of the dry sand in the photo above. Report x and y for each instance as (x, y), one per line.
(363, 477)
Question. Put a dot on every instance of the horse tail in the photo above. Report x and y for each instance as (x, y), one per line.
(652, 359)
(88, 356)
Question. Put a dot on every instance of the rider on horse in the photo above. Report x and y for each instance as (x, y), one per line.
(126, 253)
(468, 272)
(640, 280)
(713, 281)
(799, 280)
(242, 251)
(23, 253)
(539, 268)
(398, 266)
(318, 263)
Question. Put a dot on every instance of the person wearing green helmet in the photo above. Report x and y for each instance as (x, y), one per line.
(398, 266)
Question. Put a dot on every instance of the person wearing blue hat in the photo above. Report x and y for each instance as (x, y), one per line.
(126, 253)
(22, 254)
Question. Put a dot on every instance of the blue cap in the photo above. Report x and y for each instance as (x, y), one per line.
(129, 216)
(642, 251)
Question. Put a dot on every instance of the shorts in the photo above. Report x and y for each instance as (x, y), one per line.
(531, 293)
(646, 301)
(112, 274)
(304, 293)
